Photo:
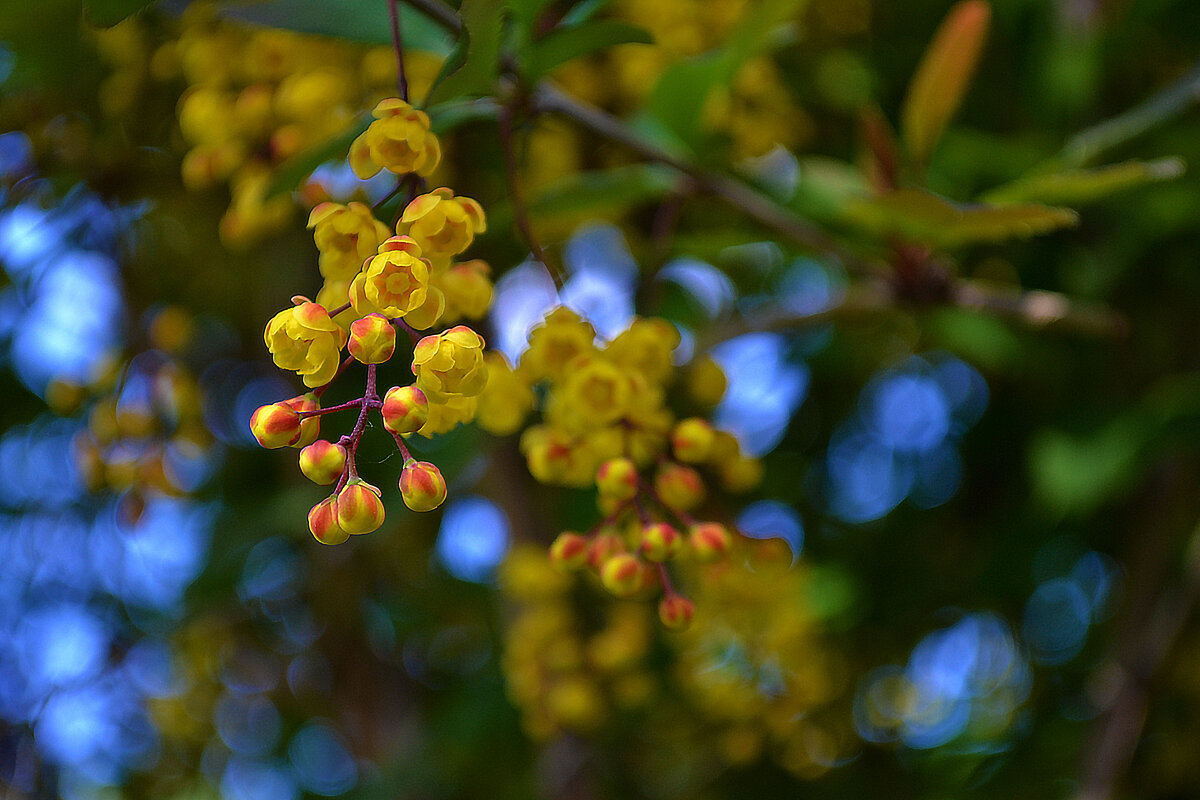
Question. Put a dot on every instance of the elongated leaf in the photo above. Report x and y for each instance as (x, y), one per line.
(565, 44)
(604, 190)
(1077, 186)
(582, 11)
(357, 20)
(942, 77)
(292, 172)
(107, 13)
(479, 45)
(677, 100)
(926, 217)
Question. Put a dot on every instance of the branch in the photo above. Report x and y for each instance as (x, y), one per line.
(517, 196)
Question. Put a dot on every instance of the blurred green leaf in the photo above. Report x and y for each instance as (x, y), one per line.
(1078, 186)
(929, 218)
(826, 186)
(107, 13)
(357, 20)
(565, 44)
(942, 77)
(1075, 474)
(604, 190)
(472, 68)
(292, 172)
(677, 100)
(582, 11)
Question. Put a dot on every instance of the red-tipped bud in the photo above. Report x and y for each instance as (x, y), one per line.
(422, 485)
(603, 547)
(323, 522)
(709, 540)
(692, 440)
(617, 479)
(372, 339)
(623, 575)
(323, 462)
(310, 428)
(276, 425)
(680, 488)
(676, 612)
(359, 509)
(569, 551)
(405, 409)
(660, 542)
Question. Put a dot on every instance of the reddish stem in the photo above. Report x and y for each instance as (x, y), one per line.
(320, 411)
(397, 45)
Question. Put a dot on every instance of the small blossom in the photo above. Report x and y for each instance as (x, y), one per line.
(450, 363)
(275, 425)
(346, 236)
(399, 140)
(405, 409)
(322, 462)
(305, 340)
(442, 224)
(359, 508)
(323, 522)
(372, 339)
(422, 485)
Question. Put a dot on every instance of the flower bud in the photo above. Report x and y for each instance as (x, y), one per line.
(680, 488)
(372, 339)
(276, 425)
(603, 547)
(709, 540)
(676, 612)
(422, 485)
(706, 381)
(359, 509)
(323, 522)
(741, 474)
(405, 409)
(623, 575)
(617, 479)
(310, 427)
(569, 551)
(323, 461)
(692, 440)
(660, 542)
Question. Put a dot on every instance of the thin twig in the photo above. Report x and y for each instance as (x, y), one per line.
(520, 209)
(398, 46)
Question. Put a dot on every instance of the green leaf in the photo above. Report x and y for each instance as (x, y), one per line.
(1077, 186)
(565, 44)
(292, 172)
(677, 100)
(582, 11)
(106, 13)
(479, 50)
(357, 20)
(826, 186)
(942, 77)
(447, 116)
(926, 217)
(604, 190)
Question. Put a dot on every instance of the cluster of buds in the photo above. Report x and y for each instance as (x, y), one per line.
(376, 284)
(605, 424)
(145, 419)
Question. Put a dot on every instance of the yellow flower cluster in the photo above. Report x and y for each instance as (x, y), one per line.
(562, 673)
(144, 417)
(252, 98)
(376, 282)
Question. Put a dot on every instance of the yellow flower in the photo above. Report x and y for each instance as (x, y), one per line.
(305, 340)
(561, 337)
(468, 289)
(442, 224)
(450, 364)
(399, 140)
(646, 346)
(506, 399)
(393, 282)
(346, 236)
(595, 391)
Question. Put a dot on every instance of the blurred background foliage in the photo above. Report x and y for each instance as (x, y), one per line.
(970, 567)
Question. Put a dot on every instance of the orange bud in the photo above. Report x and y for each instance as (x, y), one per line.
(405, 409)
(422, 485)
(680, 488)
(617, 478)
(372, 339)
(310, 427)
(676, 612)
(276, 425)
(660, 542)
(709, 540)
(323, 522)
(692, 440)
(359, 509)
(569, 551)
(623, 575)
(603, 547)
(323, 461)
